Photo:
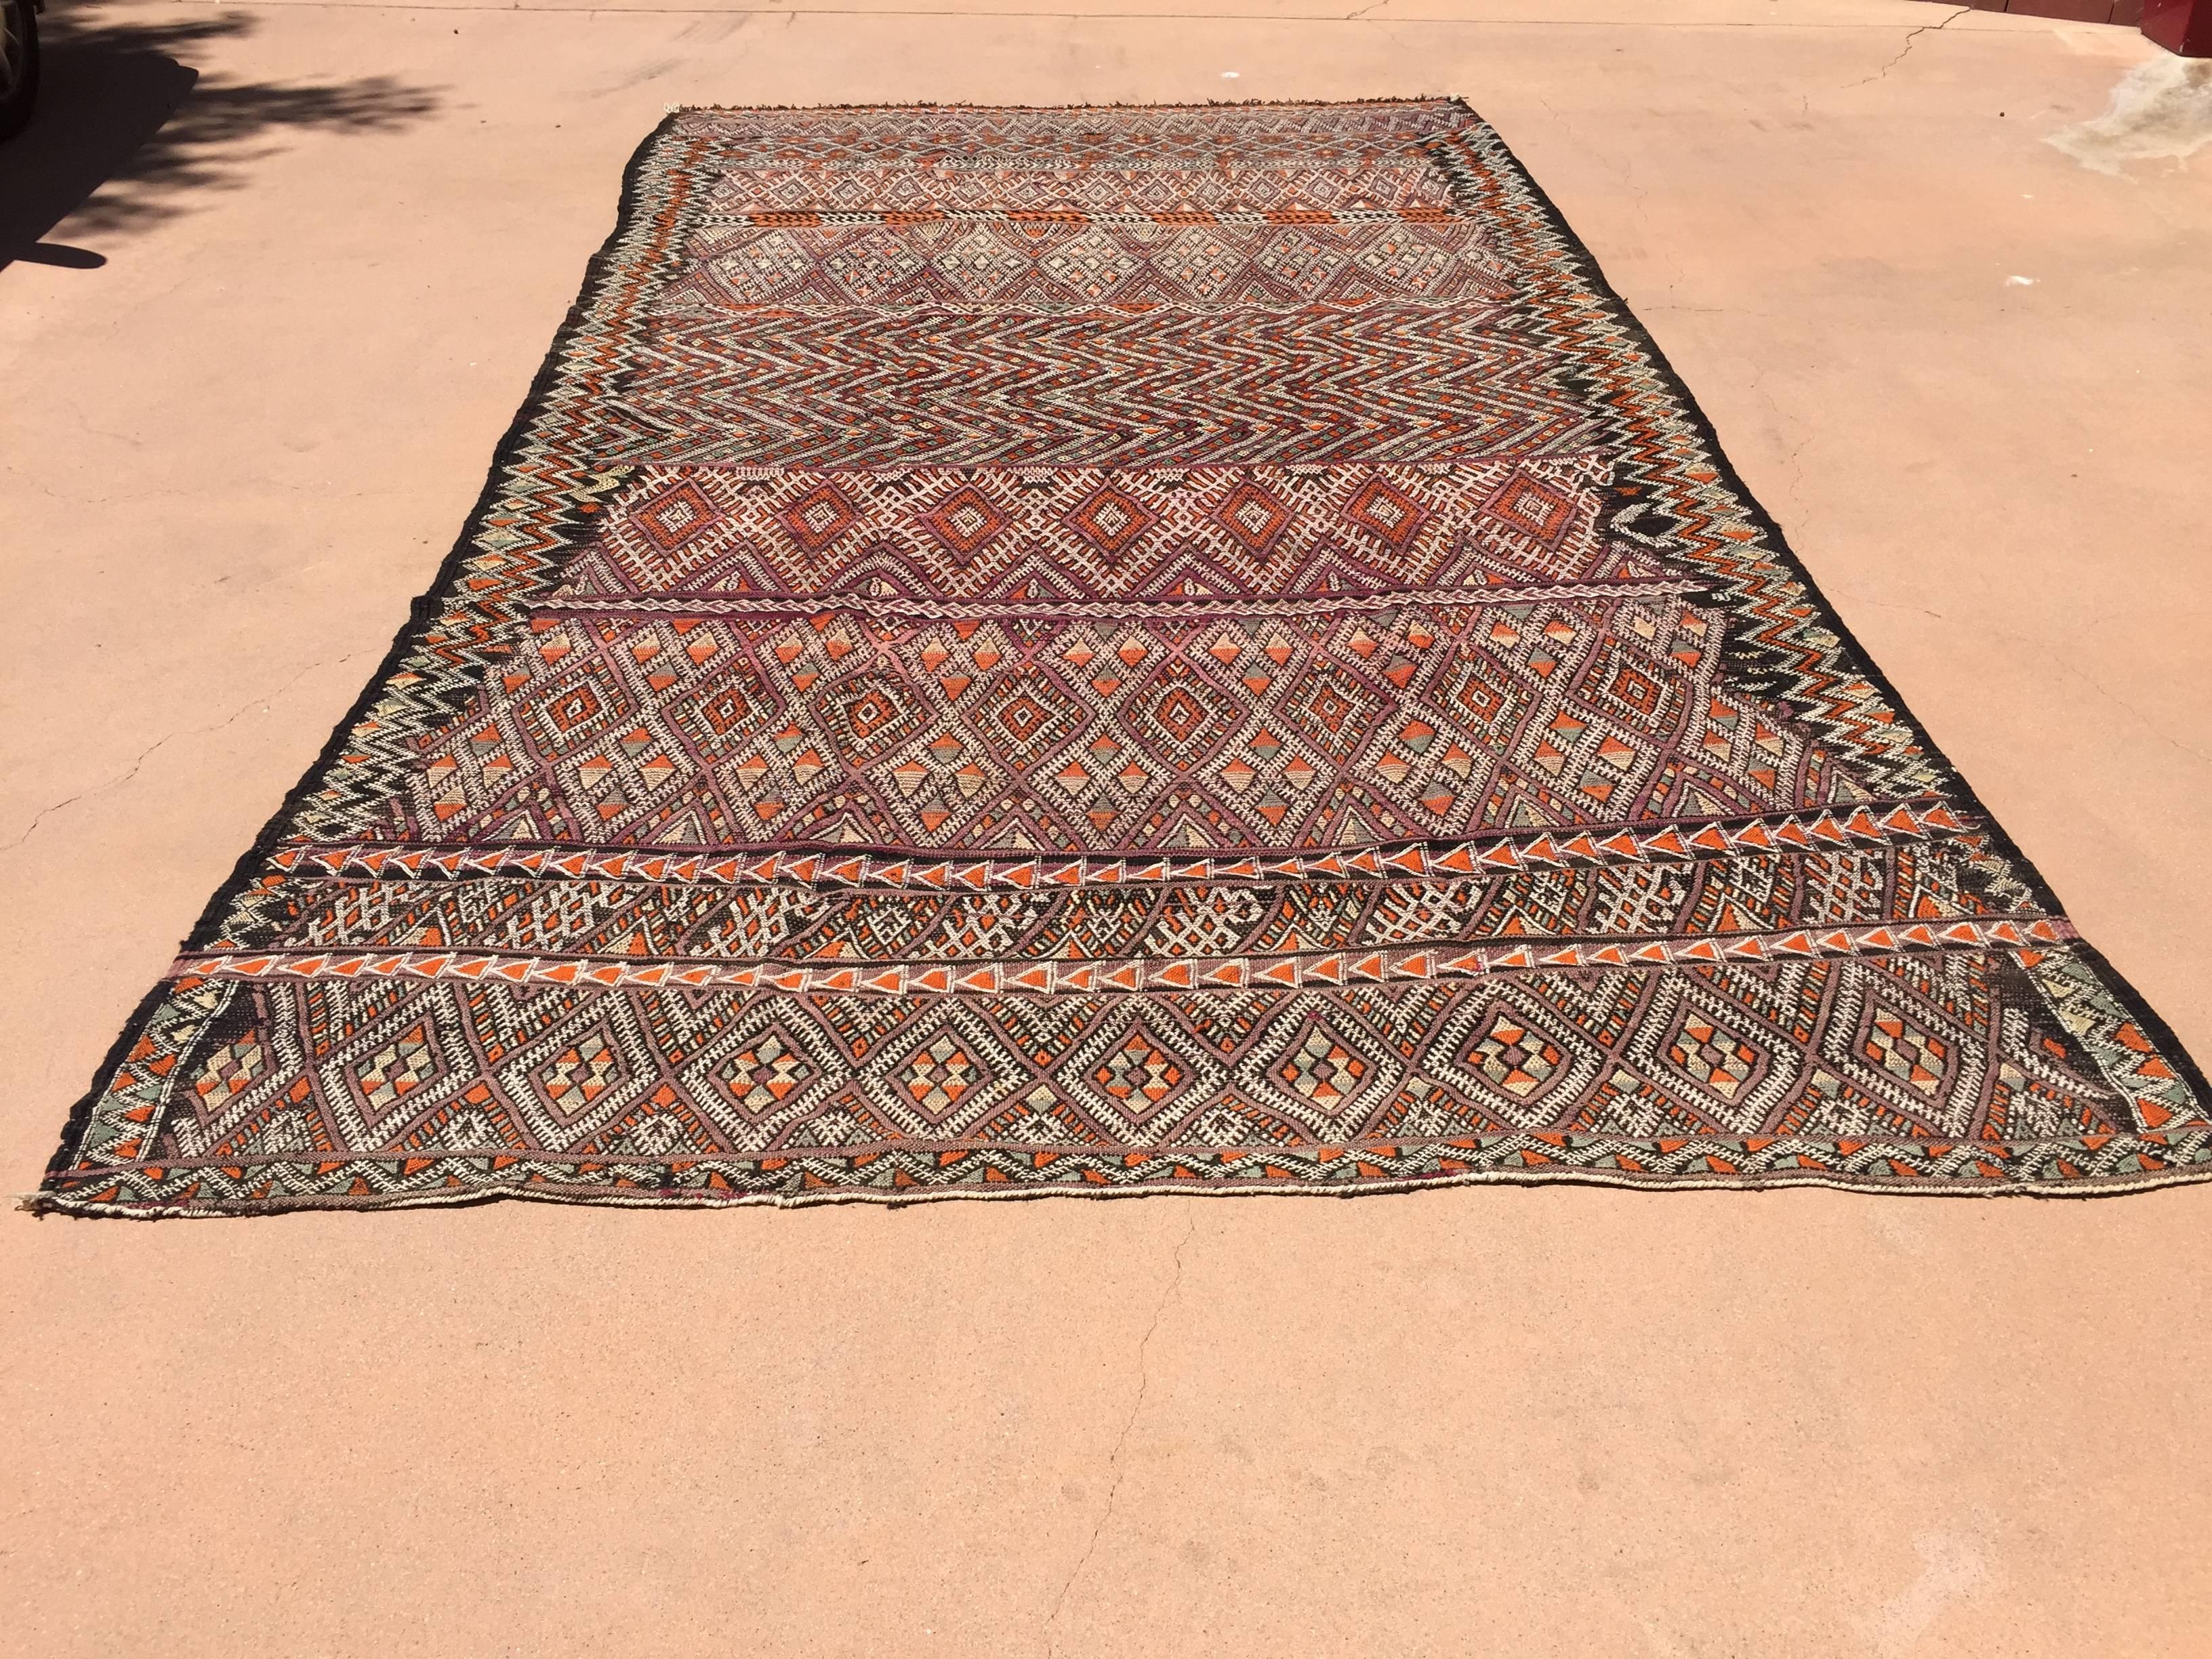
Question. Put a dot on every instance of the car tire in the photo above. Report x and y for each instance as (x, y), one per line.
(18, 74)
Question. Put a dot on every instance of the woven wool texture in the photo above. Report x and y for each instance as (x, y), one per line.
(1109, 651)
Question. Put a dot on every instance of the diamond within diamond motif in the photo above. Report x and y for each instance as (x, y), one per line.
(579, 1075)
(1912, 1056)
(937, 1076)
(967, 519)
(1519, 1060)
(1322, 1070)
(761, 1075)
(819, 516)
(1113, 519)
(397, 1070)
(1137, 1074)
(1717, 1057)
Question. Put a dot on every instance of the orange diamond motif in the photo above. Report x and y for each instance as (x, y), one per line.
(819, 516)
(1386, 512)
(1322, 1071)
(1113, 519)
(677, 517)
(1252, 516)
(1137, 1074)
(967, 519)
(1534, 509)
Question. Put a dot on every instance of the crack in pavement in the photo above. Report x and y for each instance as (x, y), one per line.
(1882, 74)
(1638, 196)
(1796, 477)
(147, 753)
(1782, 420)
(1121, 1441)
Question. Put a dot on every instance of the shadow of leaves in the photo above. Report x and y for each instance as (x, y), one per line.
(128, 133)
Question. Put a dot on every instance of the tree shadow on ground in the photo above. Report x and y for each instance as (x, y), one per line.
(126, 134)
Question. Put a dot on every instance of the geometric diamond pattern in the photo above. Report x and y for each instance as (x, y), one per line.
(1139, 1074)
(1716, 1057)
(1919, 1059)
(396, 1070)
(938, 1074)
(1323, 1070)
(763, 1073)
(1513, 1057)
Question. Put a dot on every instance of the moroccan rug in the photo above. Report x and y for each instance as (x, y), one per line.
(1112, 651)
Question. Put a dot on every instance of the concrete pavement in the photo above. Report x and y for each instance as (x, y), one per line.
(251, 385)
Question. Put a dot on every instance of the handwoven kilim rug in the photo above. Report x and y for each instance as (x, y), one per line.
(1117, 651)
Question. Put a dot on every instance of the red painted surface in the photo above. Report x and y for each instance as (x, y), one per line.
(2126, 12)
(2182, 25)
(2070, 11)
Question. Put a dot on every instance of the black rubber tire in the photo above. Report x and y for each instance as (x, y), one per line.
(15, 107)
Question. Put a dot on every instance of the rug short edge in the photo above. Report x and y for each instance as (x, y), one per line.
(43, 1204)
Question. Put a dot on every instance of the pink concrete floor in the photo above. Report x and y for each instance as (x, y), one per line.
(1524, 1422)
